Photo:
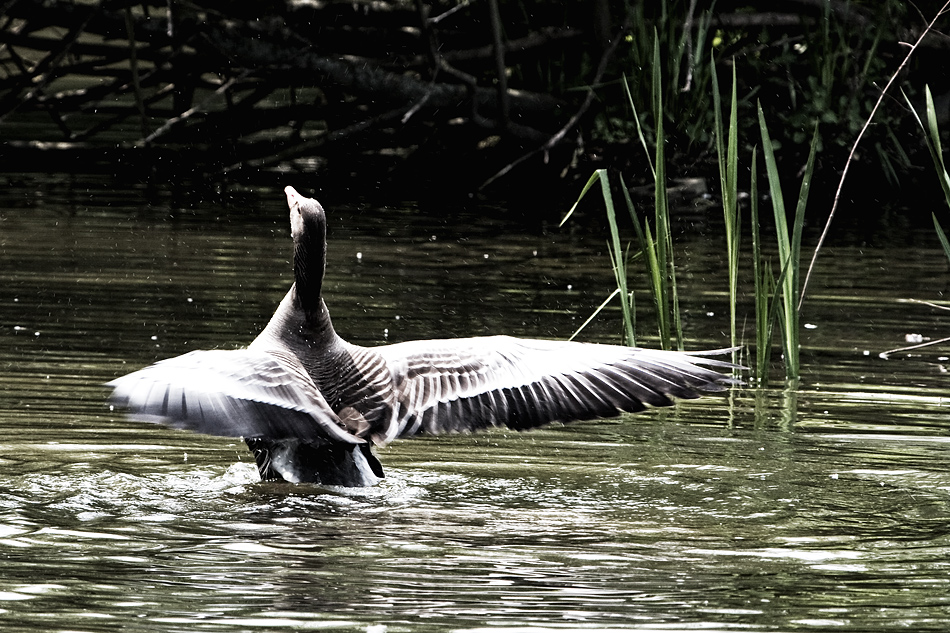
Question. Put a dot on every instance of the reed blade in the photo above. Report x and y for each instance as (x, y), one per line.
(590, 183)
(594, 314)
(727, 149)
(932, 139)
(668, 298)
(789, 294)
(617, 261)
(616, 252)
(941, 236)
(636, 119)
(763, 287)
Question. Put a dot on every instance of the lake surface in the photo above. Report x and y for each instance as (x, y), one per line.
(825, 507)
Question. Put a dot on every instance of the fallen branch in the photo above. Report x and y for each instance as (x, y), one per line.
(886, 354)
(43, 72)
(170, 123)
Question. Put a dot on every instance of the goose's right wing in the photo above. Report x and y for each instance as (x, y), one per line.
(232, 393)
(467, 384)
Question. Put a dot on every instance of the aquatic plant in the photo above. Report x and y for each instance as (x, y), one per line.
(774, 299)
(932, 139)
(661, 267)
(767, 301)
(764, 283)
(854, 147)
(617, 259)
(657, 252)
(789, 244)
(727, 152)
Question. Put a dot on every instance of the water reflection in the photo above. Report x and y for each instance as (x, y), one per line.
(811, 508)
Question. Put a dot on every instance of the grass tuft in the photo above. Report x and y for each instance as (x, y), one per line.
(789, 245)
(617, 259)
(727, 152)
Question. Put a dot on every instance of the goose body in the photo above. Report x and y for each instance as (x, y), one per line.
(310, 406)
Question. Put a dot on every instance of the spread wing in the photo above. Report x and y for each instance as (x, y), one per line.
(232, 393)
(467, 384)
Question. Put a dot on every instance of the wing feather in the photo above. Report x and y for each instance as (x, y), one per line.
(232, 393)
(457, 385)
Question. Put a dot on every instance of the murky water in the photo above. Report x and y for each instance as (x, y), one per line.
(822, 508)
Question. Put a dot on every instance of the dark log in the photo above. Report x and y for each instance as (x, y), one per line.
(213, 75)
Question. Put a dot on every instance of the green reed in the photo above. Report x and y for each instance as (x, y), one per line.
(767, 301)
(764, 283)
(617, 258)
(657, 251)
(789, 245)
(775, 300)
(661, 267)
(727, 152)
(932, 138)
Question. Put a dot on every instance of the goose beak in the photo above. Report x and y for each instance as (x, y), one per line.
(293, 198)
(294, 201)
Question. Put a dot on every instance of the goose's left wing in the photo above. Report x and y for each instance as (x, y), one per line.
(234, 393)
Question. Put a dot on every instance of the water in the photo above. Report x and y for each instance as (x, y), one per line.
(825, 507)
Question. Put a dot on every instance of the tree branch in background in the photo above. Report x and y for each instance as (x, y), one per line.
(500, 69)
(573, 121)
(854, 148)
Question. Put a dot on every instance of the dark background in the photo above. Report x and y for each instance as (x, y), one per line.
(492, 98)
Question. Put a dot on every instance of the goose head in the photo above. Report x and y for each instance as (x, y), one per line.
(308, 226)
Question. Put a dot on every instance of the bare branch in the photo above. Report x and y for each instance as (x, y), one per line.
(854, 148)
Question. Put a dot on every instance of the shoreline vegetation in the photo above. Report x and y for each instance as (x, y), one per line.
(478, 96)
(777, 300)
(488, 97)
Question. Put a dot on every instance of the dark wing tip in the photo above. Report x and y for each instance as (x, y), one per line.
(465, 384)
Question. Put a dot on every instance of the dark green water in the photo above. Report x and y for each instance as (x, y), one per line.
(825, 508)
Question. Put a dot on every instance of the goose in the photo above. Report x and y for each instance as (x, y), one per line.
(310, 406)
